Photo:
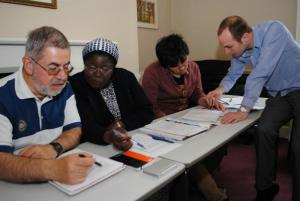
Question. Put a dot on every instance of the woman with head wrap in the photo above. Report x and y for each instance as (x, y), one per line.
(108, 97)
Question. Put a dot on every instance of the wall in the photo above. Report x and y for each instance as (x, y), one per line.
(298, 22)
(198, 20)
(80, 21)
(148, 37)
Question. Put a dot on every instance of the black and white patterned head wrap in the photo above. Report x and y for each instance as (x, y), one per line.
(101, 44)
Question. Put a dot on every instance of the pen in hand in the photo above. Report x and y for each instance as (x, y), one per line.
(212, 104)
(118, 133)
(138, 144)
(96, 162)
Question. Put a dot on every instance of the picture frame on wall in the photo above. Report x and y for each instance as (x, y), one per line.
(147, 16)
(39, 3)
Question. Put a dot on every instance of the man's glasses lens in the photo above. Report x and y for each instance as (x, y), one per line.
(55, 70)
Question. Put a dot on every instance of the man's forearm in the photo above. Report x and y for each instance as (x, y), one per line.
(21, 169)
(69, 139)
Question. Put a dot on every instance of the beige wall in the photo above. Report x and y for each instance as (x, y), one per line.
(79, 20)
(148, 37)
(198, 20)
(298, 22)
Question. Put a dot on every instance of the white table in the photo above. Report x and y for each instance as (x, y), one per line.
(128, 185)
(198, 147)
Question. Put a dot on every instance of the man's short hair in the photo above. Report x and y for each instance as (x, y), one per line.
(236, 25)
(43, 37)
(170, 50)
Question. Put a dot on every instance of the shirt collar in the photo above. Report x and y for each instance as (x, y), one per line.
(22, 89)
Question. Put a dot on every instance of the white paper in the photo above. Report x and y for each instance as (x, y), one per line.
(97, 174)
(202, 116)
(152, 147)
(235, 103)
(172, 128)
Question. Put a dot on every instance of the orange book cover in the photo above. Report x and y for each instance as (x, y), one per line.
(138, 156)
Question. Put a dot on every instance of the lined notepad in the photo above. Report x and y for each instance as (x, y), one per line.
(97, 174)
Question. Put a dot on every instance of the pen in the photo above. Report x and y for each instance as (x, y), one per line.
(156, 137)
(224, 102)
(96, 162)
(212, 105)
(138, 144)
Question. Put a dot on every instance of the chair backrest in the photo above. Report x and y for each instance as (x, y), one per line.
(213, 71)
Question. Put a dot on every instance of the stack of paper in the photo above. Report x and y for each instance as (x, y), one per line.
(109, 167)
(202, 116)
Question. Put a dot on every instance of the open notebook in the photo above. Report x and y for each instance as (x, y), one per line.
(195, 121)
(171, 129)
(151, 146)
(109, 167)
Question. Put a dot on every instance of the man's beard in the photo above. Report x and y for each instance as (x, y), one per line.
(45, 90)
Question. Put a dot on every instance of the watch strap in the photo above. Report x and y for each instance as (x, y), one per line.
(58, 148)
(244, 109)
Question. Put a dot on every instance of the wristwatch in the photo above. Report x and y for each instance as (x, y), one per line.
(58, 148)
(243, 109)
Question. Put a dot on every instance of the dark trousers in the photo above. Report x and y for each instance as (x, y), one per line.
(279, 110)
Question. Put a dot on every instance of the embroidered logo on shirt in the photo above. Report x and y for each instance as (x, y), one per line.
(22, 125)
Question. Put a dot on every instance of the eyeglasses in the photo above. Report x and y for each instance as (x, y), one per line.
(54, 70)
(104, 69)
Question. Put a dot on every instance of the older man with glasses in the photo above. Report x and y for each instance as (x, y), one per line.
(38, 115)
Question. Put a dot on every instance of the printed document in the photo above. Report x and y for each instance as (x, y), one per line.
(152, 147)
(174, 130)
(235, 103)
(202, 116)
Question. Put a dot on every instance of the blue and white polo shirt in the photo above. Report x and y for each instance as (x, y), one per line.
(26, 120)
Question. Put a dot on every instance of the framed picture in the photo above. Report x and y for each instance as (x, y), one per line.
(39, 3)
(147, 13)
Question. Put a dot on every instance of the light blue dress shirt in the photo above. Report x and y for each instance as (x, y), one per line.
(275, 59)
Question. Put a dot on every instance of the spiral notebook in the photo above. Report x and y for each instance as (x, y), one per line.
(97, 174)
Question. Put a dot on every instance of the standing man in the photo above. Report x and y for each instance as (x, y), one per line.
(38, 115)
(275, 57)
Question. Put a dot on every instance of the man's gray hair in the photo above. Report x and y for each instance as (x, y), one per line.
(43, 37)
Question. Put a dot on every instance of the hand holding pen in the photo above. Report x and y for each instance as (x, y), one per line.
(120, 139)
(96, 162)
(212, 103)
(72, 169)
(212, 98)
(134, 142)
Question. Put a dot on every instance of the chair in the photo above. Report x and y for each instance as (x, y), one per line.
(213, 71)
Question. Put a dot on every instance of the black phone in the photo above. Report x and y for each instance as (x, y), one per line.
(136, 163)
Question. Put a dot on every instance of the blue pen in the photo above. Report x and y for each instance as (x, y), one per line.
(156, 137)
(138, 144)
